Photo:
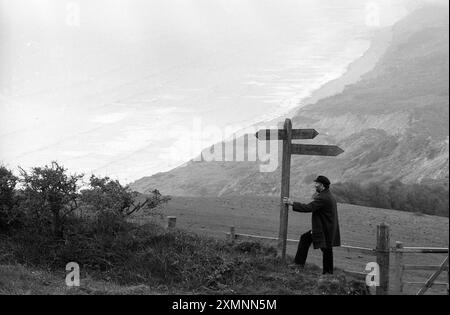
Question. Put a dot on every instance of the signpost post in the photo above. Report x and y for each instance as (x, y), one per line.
(287, 135)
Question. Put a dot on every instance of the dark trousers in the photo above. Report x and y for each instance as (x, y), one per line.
(306, 241)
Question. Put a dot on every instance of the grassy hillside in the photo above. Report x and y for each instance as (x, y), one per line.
(159, 262)
(140, 257)
(260, 216)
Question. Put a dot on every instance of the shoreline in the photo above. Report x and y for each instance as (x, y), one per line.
(379, 43)
(354, 73)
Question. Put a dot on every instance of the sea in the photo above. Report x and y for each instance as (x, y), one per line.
(120, 88)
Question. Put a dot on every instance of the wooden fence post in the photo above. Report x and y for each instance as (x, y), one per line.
(383, 251)
(398, 278)
(171, 223)
(232, 234)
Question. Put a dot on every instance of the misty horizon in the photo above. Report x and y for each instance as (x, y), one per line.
(99, 87)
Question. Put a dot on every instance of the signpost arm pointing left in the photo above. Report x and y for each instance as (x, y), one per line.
(285, 186)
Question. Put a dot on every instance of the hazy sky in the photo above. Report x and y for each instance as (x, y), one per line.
(101, 84)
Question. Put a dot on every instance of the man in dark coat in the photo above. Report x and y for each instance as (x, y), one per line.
(325, 232)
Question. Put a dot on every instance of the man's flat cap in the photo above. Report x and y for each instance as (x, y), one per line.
(323, 180)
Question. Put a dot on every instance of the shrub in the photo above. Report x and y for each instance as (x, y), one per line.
(107, 195)
(49, 196)
(429, 199)
(8, 199)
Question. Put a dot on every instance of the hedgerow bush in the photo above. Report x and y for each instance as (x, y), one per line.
(8, 214)
(62, 220)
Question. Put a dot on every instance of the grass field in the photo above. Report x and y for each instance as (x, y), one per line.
(260, 216)
(177, 262)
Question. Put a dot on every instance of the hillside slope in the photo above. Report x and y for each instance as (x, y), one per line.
(393, 124)
(161, 262)
(213, 217)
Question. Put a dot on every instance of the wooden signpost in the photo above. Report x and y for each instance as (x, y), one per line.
(287, 135)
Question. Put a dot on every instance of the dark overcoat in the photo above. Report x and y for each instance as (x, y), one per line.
(325, 221)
